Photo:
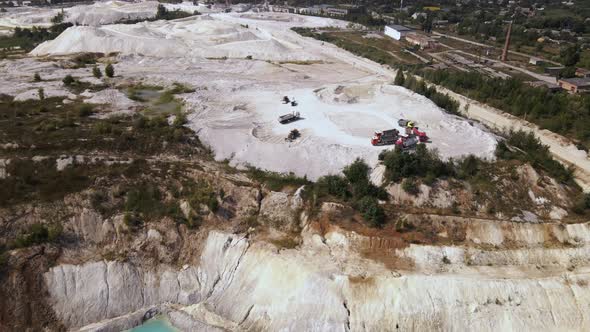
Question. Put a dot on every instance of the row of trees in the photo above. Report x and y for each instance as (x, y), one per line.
(560, 112)
(419, 86)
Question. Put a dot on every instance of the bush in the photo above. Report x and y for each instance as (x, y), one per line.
(96, 72)
(203, 193)
(85, 110)
(355, 186)
(131, 220)
(582, 204)
(371, 210)
(333, 185)
(58, 18)
(68, 80)
(399, 78)
(179, 120)
(410, 186)
(468, 167)
(526, 147)
(38, 234)
(109, 70)
(37, 77)
(102, 127)
(400, 164)
(357, 172)
(276, 181)
(144, 199)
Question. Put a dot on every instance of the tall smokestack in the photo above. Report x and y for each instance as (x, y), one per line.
(507, 44)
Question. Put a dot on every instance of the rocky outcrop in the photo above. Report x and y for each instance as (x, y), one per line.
(90, 227)
(281, 210)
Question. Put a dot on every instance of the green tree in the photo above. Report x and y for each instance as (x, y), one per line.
(109, 70)
(59, 18)
(162, 12)
(371, 211)
(569, 55)
(68, 80)
(333, 185)
(357, 172)
(399, 78)
(96, 72)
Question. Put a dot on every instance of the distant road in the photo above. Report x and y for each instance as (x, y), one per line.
(485, 45)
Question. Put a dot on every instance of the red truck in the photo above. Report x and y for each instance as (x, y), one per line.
(386, 137)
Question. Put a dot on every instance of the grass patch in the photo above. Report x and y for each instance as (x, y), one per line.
(276, 181)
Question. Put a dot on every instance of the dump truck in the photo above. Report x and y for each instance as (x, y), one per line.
(386, 137)
(405, 123)
(293, 135)
(407, 142)
(422, 137)
(284, 119)
(415, 131)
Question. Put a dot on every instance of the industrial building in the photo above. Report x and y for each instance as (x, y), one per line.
(396, 32)
(575, 85)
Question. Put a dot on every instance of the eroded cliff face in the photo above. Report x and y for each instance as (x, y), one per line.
(329, 284)
(88, 293)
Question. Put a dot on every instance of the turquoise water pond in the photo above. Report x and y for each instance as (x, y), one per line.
(154, 325)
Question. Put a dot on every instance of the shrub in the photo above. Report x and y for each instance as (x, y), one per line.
(582, 204)
(102, 127)
(85, 110)
(204, 194)
(180, 120)
(357, 172)
(410, 186)
(468, 167)
(333, 185)
(58, 18)
(37, 77)
(399, 78)
(38, 234)
(96, 72)
(276, 181)
(144, 199)
(526, 147)
(371, 210)
(109, 70)
(68, 80)
(131, 220)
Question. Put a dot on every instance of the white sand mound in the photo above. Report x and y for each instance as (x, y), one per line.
(99, 13)
(193, 37)
(109, 12)
(26, 17)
